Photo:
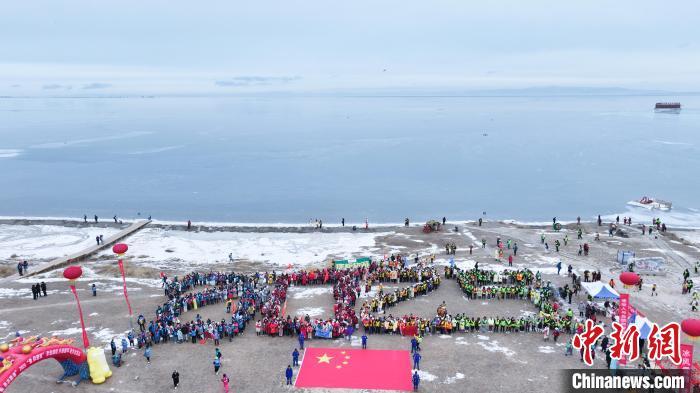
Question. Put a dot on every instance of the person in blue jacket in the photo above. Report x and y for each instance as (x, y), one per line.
(147, 354)
(289, 373)
(295, 358)
(364, 341)
(217, 365)
(416, 360)
(416, 381)
(301, 342)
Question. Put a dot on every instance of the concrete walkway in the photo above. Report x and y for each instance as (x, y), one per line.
(82, 255)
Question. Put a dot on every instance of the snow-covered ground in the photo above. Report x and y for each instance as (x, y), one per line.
(310, 311)
(277, 248)
(46, 241)
(691, 236)
(90, 276)
(542, 264)
(305, 293)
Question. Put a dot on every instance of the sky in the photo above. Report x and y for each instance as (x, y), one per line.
(87, 47)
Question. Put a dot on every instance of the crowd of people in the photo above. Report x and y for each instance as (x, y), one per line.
(263, 295)
(260, 298)
(241, 294)
(39, 290)
(347, 289)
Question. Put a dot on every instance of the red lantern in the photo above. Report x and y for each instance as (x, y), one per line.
(629, 279)
(120, 248)
(73, 272)
(691, 327)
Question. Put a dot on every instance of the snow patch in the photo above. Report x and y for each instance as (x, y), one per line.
(426, 376)
(310, 311)
(6, 293)
(47, 241)
(273, 247)
(306, 293)
(546, 349)
(654, 250)
(451, 380)
(73, 331)
(493, 346)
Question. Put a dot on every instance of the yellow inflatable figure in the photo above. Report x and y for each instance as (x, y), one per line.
(6, 364)
(99, 369)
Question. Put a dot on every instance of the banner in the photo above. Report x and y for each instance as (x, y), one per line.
(409, 330)
(624, 315)
(324, 332)
(687, 364)
(346, 264)
(355, 369)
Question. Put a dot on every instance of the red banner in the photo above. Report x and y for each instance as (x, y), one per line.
(409, 330)
(86, 342)
(687, 364)
(624, 315)
(355, 369)
(126, 295)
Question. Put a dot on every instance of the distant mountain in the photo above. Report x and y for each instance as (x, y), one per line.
(573, 90)
(544, 91)
(530, 91)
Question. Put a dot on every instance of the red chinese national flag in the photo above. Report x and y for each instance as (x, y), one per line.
(355, 369)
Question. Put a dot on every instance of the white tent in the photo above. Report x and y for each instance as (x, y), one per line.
(599, 290)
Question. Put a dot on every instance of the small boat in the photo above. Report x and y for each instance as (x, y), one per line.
(651, 204)
(667, 105)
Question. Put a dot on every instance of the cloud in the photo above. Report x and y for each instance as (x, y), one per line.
(256, 81)
(96, 85)
(56, 86)
(9, 153)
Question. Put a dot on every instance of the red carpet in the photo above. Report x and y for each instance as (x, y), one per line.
(355, 369)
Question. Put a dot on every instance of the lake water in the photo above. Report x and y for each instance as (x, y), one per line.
(289, 159)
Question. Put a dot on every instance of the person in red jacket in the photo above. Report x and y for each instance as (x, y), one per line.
(225, 380)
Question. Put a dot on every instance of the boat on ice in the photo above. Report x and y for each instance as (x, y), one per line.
(651, 204)
(667, 105)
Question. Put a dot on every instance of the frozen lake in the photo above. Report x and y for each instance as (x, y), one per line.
(289, 159)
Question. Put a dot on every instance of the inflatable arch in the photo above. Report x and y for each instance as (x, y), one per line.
(21, 354)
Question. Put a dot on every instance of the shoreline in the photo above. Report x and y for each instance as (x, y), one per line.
(211, 226)
(214, 226)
